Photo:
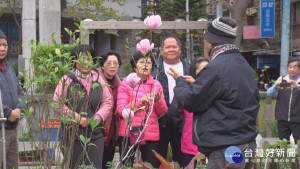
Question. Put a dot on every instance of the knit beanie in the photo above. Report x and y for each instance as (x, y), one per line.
(2, 35)
(221, 31)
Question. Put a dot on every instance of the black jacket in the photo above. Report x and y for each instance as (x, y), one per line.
(287, 106)
(159, 74)
(79, 101)
(11, 93)
(225, 102)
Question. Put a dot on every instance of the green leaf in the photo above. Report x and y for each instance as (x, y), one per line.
(70, 33)
(95, 85)
(103, 85)
(82, 139)
(93, 123)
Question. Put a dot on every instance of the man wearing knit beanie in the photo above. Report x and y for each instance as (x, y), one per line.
(11, 93)
(224, 99)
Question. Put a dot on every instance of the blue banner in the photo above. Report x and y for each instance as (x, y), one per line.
(267, 18)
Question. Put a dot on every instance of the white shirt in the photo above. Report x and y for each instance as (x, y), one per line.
(171, 81)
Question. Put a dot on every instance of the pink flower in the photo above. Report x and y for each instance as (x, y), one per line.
(152, 22)
(132, 79)
(144, 46)
(128, 114)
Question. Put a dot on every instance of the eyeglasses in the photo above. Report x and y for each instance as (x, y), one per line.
(144, 62)
(112, 63)
(3, 44)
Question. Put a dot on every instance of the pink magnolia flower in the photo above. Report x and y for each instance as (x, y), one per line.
(132, 79)
(152, 22)
(128, 114)
(144, 46)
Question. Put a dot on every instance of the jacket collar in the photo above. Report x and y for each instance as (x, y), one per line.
(184, 63)
(287, 78)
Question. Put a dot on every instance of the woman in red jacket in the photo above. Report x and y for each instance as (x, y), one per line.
(109, 66)
(140, 103)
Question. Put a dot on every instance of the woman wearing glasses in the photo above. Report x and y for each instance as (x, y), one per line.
(81, 98)
(140, 103)
(109, 66)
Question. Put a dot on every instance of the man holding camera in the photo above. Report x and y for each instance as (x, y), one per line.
(287, 110)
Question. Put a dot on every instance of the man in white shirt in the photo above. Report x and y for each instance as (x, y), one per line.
(169, 132)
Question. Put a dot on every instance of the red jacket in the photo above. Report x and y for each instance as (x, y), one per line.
(124, 100)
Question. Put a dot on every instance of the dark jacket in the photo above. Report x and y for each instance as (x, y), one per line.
(11, 93)
(225, 102)
(85, 103)
(287, 105)
(160, 75)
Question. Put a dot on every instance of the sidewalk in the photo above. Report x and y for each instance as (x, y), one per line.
(27, 165)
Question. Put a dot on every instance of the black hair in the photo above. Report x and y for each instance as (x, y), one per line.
(171, 36)
(137, 56)
(294, 59)
(195, 63)
(104, 57)
(83, 49)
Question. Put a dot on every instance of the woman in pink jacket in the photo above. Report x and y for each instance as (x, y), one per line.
(140, 103)
(80, 97)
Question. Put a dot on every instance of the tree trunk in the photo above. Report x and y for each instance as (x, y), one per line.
(238, 12)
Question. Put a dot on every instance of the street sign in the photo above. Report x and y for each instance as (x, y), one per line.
(251, 32)
(267, 18)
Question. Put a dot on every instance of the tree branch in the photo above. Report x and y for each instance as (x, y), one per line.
(227, 5)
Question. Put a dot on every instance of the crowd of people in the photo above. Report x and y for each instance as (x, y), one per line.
(194, 108)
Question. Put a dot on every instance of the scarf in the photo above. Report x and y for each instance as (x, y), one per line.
(81, 75)
(217, 50)
(2, 64)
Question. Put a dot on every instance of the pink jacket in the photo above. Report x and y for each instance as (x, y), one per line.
(61, 90)
(125, 97)
(187, 145)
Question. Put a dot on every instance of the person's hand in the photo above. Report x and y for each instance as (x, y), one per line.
(97, 117)
(277, 85)
(84, 122)
(189, 79)
(15, 115)
(294, 84)
(157, 96)
(173, 73)
(146, 98)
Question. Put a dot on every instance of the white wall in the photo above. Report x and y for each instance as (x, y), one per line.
(130, 7)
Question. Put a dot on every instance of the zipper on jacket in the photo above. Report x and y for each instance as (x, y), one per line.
(195, 131)
(290, 103)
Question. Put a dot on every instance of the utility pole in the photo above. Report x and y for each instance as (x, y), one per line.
(28, 31)
(285, 34)
(188, 37)
(219, 9)
(49, 20)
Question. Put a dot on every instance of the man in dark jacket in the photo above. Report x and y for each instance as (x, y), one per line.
(287, 110)
(168, 126)
(12, 93)
(224, 99)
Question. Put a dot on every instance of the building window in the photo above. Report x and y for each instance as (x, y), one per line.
(295, 16)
